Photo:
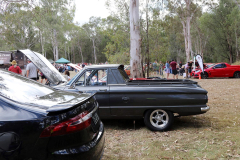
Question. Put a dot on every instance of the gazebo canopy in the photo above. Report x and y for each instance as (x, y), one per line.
(62, 60)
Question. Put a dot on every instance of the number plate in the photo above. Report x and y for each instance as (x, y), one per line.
(95, 118)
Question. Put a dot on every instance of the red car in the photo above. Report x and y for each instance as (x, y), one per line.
(198, 69)
(128, 70)
(220, 70)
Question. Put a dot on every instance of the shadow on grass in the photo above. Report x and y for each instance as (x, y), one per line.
(191, 122)
(122, 124)
(179, 123)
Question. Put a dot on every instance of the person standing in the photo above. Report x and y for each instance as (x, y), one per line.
(43, 77)
(161, 68)
(14, 68)
(155, 68)
(31, 71)
(190, 68)
(68, 75)
(174, 69)
(167, 65)
(180, 64)
(186, 69)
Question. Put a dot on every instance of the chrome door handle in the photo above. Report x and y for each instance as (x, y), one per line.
(103, 90)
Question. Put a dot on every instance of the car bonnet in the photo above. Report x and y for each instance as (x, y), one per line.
(50, 72)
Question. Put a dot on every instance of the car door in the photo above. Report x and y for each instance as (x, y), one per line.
(122, 101)
(225, 71)
(218, 71)
(96, 80)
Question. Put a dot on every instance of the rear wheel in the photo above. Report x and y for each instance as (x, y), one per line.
(204, 75)
(237, 75)
(158, 120)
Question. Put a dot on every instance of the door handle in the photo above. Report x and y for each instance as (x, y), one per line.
(103, 90)
(125, 98)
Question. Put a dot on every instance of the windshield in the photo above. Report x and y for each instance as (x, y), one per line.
(75, 77)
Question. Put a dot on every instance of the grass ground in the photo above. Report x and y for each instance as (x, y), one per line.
(213, 135)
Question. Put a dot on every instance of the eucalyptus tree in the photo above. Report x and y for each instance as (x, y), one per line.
(117, 30)
(135, 40)
(58, 14)
(185, 9)
(92, 31)
(223, 25)
(17, 26)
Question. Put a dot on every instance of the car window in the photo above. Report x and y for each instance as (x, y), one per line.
(96, 77)
(75, 77)
(224, 65)
(218, 66)
(20, 89)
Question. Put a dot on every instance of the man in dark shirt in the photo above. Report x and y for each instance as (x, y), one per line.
(180, 64)
(173, 64)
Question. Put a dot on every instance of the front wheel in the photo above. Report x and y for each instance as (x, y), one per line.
(158, 120)
(204, 75)
(237, 75)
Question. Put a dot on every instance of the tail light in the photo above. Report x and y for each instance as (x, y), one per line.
(77, 123)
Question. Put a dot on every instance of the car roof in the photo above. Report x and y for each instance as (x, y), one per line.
(104, 66)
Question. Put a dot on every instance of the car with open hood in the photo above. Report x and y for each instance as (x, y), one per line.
(156, 101)
(39, 122)
(220, 70)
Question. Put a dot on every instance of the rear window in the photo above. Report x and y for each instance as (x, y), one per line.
(123, 74)
(21, 89)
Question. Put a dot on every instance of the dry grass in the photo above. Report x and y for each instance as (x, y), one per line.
(236, 63)
(214, 135)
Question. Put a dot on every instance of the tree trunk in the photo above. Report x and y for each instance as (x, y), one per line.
(65, 51)
(94, 51)
(147, 47)
(53, 47)
(68, 54)
(187, 28)
(56, 44)
(186, 40)
(237, 56)
(42, 43)
(80, 51)
(135, 62)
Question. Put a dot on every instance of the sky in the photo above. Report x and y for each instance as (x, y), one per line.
(87, 8)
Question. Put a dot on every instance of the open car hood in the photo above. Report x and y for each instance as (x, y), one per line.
(44, 66)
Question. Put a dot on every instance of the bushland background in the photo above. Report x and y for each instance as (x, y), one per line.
(47, 27)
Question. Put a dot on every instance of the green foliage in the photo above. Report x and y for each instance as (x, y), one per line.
(32, 25)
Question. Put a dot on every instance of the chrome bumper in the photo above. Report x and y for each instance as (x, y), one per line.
(205, 109)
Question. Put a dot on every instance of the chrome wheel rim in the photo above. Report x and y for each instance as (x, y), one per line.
(159, 118)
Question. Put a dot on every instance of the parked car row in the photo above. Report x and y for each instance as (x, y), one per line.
(61, 120)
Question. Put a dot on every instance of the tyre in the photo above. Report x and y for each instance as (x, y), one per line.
(204, 75)
(158, 120)
(236, 75)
